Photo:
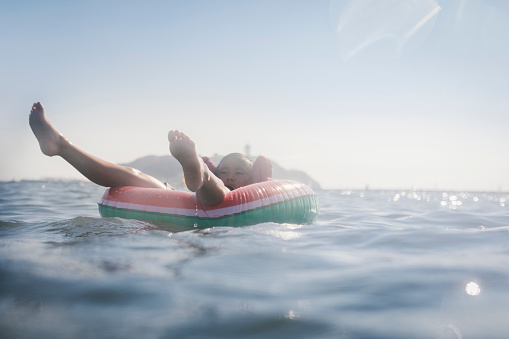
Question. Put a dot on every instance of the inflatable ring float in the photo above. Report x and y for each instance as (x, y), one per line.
(278, 201)
(266, 200)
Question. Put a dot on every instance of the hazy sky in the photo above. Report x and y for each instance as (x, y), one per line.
(390, 94)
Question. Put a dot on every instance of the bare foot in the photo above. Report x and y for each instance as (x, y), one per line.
(50, 140)
(184, 150)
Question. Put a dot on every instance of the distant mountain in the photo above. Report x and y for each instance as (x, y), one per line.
(167, 169)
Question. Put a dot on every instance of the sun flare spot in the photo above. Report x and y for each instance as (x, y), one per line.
(473, 289)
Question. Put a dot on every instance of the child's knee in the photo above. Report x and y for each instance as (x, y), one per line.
(135, 172)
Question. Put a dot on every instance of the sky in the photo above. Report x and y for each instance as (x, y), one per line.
(385, 94)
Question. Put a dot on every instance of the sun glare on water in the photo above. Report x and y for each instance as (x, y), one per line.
(473, 289)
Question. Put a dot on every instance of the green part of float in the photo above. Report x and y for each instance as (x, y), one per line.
(301, 210)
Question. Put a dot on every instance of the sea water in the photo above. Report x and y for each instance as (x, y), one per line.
(375, 264)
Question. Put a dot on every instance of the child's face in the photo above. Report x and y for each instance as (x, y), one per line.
(234, 173)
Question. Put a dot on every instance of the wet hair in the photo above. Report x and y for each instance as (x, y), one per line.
(238, 156)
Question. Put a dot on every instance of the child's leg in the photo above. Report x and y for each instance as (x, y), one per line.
(99, 171)
(210, 189)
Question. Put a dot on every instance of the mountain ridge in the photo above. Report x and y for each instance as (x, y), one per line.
(167, 169)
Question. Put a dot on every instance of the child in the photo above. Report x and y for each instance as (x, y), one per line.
(234, 170)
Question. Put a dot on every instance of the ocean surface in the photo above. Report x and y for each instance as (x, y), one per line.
(375, 264)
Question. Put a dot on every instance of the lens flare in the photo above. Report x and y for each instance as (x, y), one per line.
(382, 28)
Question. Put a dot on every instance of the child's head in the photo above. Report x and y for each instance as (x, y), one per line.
(235, 170)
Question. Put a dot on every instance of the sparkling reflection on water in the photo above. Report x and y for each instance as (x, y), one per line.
(376, 264)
